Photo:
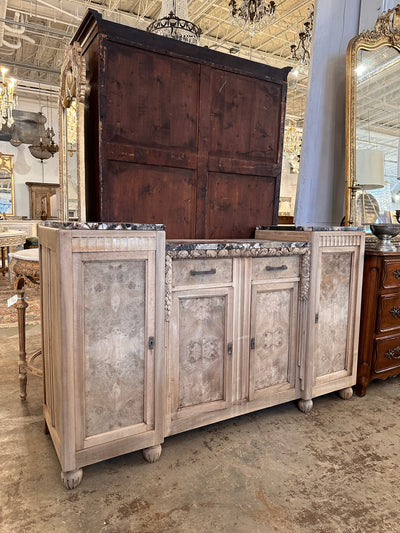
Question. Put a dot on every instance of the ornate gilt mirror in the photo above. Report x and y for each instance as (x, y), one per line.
(373, 123)
(6, 185)
(71, 109)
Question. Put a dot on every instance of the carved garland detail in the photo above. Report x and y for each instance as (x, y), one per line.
(73, 76)
(304, 253)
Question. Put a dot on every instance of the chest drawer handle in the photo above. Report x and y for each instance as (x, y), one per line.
(282, 267)
(393, 354)
(395, 312)
(203, 272)
(396, 274)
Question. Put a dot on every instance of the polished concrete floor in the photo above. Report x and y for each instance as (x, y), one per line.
(335, 469)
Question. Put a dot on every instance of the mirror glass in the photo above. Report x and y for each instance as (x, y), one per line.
(71, 109)
(6, 185)
(377, 135)
(71, 160)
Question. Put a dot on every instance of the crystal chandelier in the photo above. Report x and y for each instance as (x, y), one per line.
(176, 27)
(292, 146)
(8, 100)
(252, 15)
(43, 146)
(300, 52)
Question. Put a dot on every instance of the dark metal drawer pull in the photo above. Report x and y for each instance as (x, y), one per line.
(203, 272)
(282, 267)
(393, 354)
(396, 274)
(395, 312)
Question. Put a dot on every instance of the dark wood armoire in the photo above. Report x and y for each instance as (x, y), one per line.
(179, 134)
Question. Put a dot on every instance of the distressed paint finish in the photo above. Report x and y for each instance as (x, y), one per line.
(272, 338)
(201, 349)
(114, 324)
(333, 312)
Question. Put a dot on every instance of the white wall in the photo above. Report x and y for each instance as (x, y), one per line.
(26, 167)
(320, 190)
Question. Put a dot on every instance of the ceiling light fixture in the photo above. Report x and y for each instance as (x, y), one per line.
(301, 51)
(252, 15)
(43, 146)
(173, 26)
(8, 100)
(292, 145)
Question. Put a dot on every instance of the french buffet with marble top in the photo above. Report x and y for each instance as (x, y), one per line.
(145, 337)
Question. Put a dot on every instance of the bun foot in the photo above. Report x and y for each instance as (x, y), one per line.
(152, 454)
(346, 394)
(72, 478)
(305, 405)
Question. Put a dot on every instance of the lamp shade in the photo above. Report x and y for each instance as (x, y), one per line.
(370, 169)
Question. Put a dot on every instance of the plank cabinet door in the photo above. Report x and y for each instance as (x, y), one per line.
(200, 356)
(273, 337)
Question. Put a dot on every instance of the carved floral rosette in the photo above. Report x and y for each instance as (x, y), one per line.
(304, 253)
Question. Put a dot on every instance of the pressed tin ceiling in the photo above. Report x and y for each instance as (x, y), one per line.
(35, 33)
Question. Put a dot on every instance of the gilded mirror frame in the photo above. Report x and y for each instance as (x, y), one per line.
(385, 33)
(7, 164)
(73, 89)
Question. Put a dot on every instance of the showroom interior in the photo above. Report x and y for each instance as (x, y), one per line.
(200, 265)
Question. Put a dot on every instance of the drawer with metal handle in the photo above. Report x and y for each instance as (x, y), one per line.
(387, 355)
(388, 313)
(266, 268)
(201, 271)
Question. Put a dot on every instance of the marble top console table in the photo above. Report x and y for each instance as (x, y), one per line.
(145, 338)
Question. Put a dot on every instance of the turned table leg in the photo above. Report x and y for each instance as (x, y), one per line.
(21, 306)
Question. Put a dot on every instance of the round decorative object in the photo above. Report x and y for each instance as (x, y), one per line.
(385, 232)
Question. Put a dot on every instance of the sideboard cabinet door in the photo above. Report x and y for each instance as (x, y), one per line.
(273, 330)
(114, 368)
(200, 356)
(335, 319)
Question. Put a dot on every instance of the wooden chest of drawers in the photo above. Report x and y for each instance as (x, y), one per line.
(379, 348)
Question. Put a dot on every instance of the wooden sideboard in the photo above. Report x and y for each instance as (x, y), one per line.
(179, 133)
(379, 351)
(142, 340)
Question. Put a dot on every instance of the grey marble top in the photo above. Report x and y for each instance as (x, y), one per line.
(190, 245)
(104, 226)
(310, 228)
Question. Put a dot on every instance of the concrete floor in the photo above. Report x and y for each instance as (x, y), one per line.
(335, 469)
